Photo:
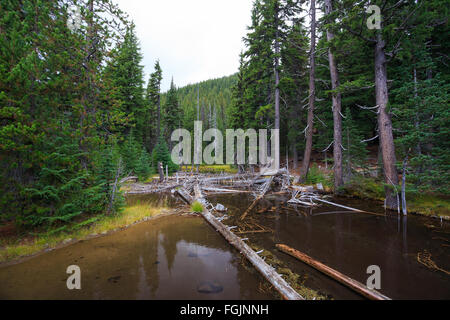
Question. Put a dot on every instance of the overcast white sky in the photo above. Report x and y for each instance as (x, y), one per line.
(194, 40)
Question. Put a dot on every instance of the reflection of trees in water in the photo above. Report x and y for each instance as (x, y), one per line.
(150, 260)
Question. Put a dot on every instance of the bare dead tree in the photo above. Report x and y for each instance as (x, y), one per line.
(312, 93)
(336, 99)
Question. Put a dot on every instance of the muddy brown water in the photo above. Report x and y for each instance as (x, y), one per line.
(350, 242)
(173, 257)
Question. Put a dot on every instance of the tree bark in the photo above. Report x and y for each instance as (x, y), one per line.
(277, 80)
(161, 172)
(385, 126)
(312, 93)
(337, 119)
(294, 156)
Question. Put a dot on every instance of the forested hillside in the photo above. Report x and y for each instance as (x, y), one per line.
(214, 98)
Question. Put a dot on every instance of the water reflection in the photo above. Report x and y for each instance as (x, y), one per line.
(350, 242)
(168, 258)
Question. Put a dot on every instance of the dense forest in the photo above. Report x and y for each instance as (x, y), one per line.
(213, 98)
(340, 84)
(77, 114)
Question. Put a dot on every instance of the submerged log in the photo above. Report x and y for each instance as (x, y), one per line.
(286, 291)
(345, 207)
(345, 280)
(338, 205)
(221, 190)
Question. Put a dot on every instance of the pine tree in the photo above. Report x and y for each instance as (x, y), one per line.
(127, 77)
(161, 154)
(130, 154)
(172, 113)
(355, 150)
(143, 168)
(154, 101)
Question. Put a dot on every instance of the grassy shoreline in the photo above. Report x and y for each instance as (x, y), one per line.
(369, 188)
(16, 249)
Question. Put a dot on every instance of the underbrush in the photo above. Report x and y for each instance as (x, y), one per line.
(318, 175)
(197, 207)
(364, 187)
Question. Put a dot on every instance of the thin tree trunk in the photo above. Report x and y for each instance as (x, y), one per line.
(416, 120)
(161, 172)
(337, 119)
(113, 194)
(404, 209)
(277, 81)
(294, 156)
(385, 126)
(312, 93)
(159, 117)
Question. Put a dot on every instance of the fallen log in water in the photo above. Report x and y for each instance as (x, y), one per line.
(151, 189)
(286, 291)
(184, 195)
(347, 281)
(221, 190)
(261, 195)
(345, 207)
(130, 178)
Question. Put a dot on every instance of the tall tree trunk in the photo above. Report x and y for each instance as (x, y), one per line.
(294, 156)
(385, 126)
(312, 94)
(337, 119)
(277, 77)
(159, 116)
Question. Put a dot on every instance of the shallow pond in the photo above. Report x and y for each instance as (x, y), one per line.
(350, 242)
(173, 257)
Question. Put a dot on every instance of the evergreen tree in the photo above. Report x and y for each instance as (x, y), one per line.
(130, 154)
(154, 102)
(143, 168)
(355, 150)
(172, 113)
(127, 77)
(161, 154)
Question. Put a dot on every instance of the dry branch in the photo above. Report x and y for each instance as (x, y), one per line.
(259, 197)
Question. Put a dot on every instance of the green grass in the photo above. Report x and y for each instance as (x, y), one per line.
(422, 203)
(317, 175)
(364, 188)
(428, 204)
(197, 207)
(217, 168)
(16, 248)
